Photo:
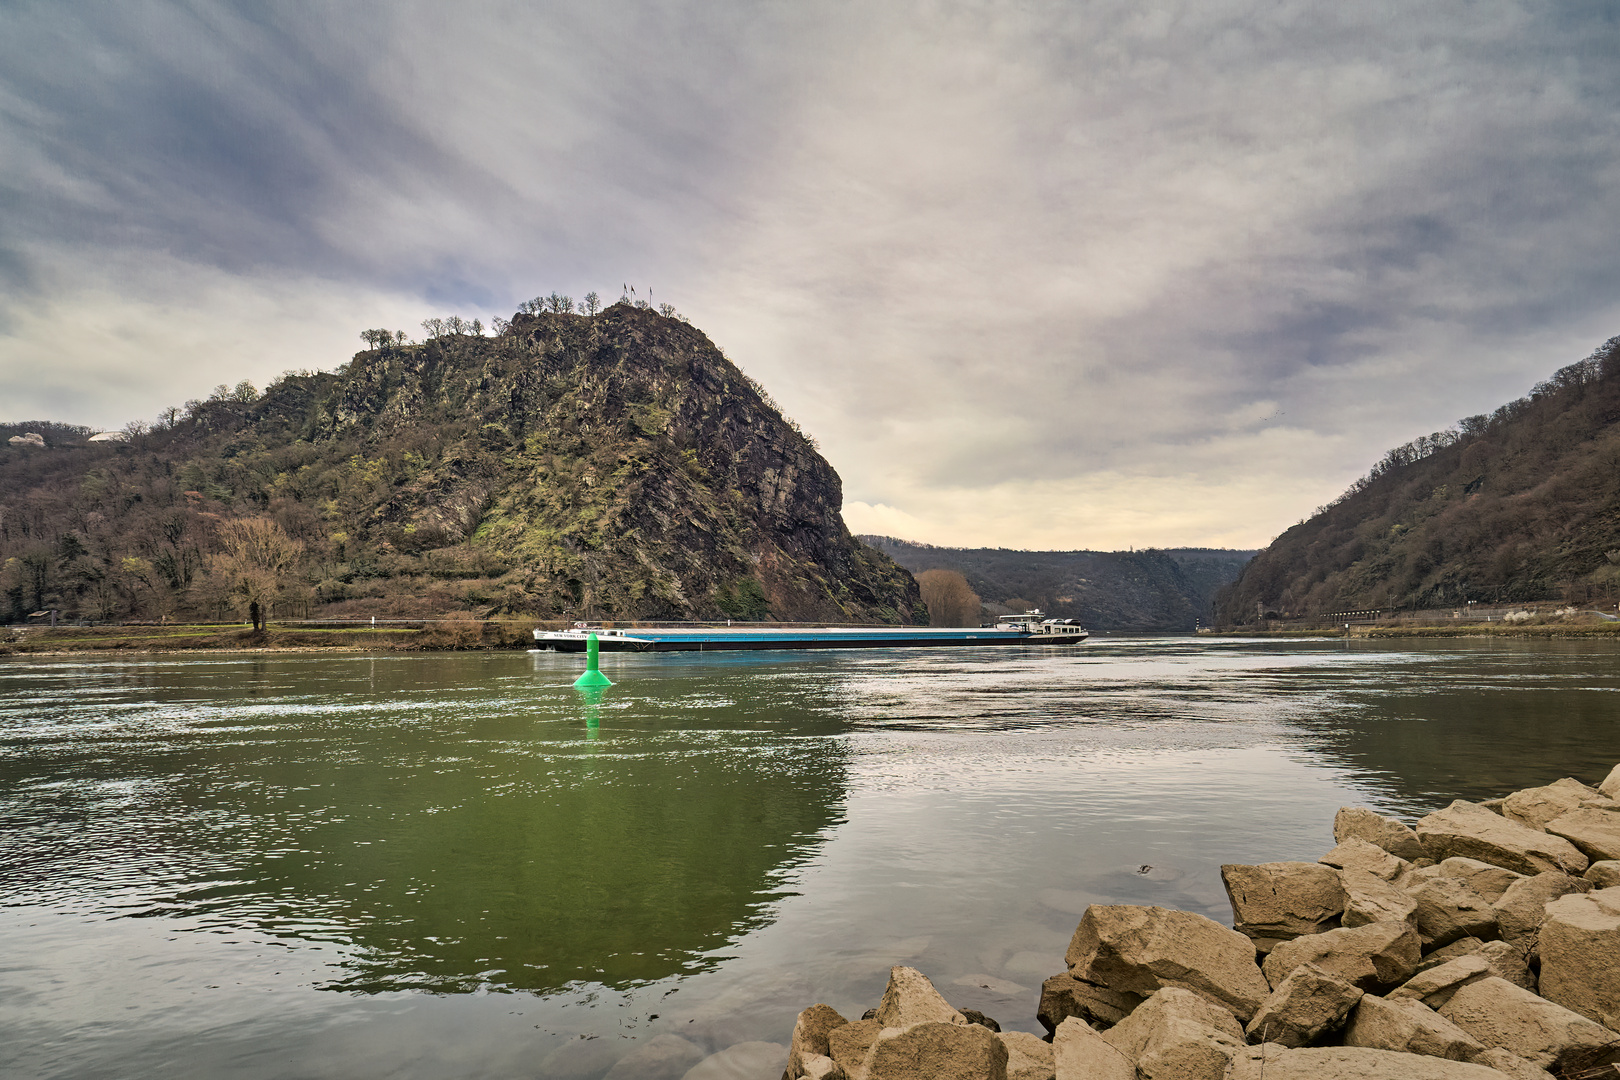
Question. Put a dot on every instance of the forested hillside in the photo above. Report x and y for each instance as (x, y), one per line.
(1151, 589)
(1520, 504)
(612, 464)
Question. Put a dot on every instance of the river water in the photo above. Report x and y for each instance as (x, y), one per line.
(455, 865)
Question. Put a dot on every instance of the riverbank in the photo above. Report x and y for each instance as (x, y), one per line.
(1597, 630)
(405, 636)
(1483, 942)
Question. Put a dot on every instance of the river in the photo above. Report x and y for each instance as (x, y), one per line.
(455, 865)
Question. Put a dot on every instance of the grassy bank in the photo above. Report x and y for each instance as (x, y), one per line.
(450, 634)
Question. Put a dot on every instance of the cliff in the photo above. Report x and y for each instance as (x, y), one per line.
(1520, 504)
(615, 465)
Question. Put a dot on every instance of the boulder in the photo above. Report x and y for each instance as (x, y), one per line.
(1357, 854)
(1177, 1033)
(1385, 832)
(1029, 1057)
(1369, 898)
(1470, 830)
(1497, 1013)
(1595, 831)
(1309, 1004)
(1349, 1063)
(1435, 986)
(974, 1016)
(662, 1057)
(850, 1044)
(1372, 957)
(1487, 880)
(1410, 1027)
(1063, 996)
(1512, 1064)
(810, 1033)
(1523, 907)
(1436, 957)
(744, 1061)
(1282, 900)
(820, 1067)
(1611, 785)
(1138, 950)
(1538, 805)
(1604, 874)
(911, 999)
(1079, 1053)
(1448, 910)
(1510, 961)
(1580, 955)
(937, 1050)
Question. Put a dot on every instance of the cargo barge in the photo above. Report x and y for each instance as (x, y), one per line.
(1030, 628)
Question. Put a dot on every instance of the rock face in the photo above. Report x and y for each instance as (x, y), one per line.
(1029, 1057)
(850, 1044)
(810, 1033)
(911, 999)
(1580, 955)
(1139, 950)
(1309, 1004)
(1486, 880)
(1520, 912)
(1177, 1033)
(1448, 910)
(1535, 807)
(1079, 1053)
(1384, 832)
(1354, 853)
(1604, 874)
(1283, 900)
(938, 1051)
(1373, 957)
(1497, 1013)
(1596, 831)
(1063, 996)
(1411, 1027)
(1369, 898)
(1350, 1063)
(1435, 986)
(1470, 830)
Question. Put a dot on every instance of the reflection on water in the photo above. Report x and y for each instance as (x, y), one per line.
(195, 852)
(452, 827)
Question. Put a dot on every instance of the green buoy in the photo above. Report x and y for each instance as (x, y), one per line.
(592, 675)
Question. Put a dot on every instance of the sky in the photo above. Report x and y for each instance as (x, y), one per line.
(1035, 275)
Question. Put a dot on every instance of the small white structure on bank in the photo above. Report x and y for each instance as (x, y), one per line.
(110, 436)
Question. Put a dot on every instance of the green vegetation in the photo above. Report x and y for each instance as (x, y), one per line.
(1522, 504)
(574, 466)
(1150, 589)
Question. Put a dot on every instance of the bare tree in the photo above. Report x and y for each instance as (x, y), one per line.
(476, 329)
(667, 310)
(499, 325)
(377, 339)
(435, 328)
(949, 599)
(245, 391)
(592, 304)
(257, 563)
(559, 303)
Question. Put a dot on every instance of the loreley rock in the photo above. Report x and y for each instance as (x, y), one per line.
(1483, 942)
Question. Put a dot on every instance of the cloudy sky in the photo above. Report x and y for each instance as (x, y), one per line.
(1043, 275)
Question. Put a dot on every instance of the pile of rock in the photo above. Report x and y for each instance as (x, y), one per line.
(1484, 942)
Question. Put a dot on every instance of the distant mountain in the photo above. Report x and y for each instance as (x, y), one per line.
(608, 465)
(1151, 589)
(1520, 504)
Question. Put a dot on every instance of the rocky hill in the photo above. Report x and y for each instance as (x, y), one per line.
(1521, 504)
(608, 465)
(1147, 590)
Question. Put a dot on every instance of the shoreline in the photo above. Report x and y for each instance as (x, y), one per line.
(1482, 942)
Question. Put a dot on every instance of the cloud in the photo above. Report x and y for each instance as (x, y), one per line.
(1090, 271)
